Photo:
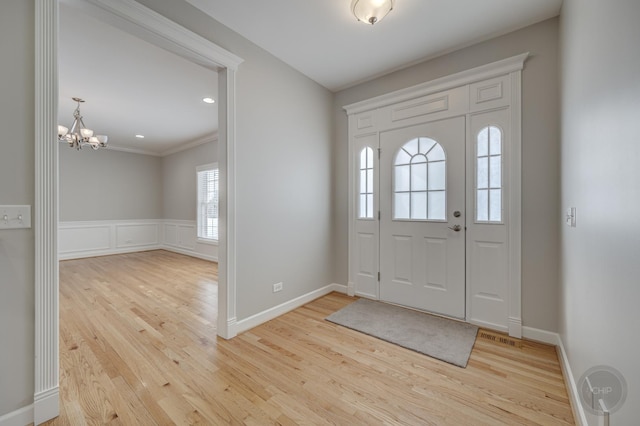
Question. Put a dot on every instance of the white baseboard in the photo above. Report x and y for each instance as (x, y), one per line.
(489, 325)
(515, 327)
(541, 336)
(572, 389)
(276, 311)
(21, 417)
(189, 253)
(45, 407)
(95, 253)
(552, 338)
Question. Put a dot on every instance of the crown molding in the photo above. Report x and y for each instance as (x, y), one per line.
(189, 145)
(483, 72)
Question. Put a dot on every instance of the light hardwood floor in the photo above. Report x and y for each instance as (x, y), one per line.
(138, 346)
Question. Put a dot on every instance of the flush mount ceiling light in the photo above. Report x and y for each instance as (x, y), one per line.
(371, 11)
(79, 135)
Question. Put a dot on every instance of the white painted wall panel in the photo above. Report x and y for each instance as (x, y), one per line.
(100, 238)
(74, 239)
(187, 236)
(599, 291)
(171, 234)
(136, 235)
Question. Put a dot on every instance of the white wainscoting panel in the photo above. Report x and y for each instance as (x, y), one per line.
(83, 238)
(181, 236)
(137, 235)
(101, 238)
(171, 234)
(105, 237)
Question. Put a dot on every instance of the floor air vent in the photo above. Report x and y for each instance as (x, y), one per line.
(499, 338)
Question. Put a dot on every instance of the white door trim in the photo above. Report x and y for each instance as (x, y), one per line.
(155, 28)
(445, 97)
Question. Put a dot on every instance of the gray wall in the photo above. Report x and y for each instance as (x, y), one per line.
(109, 185)
(540, 155)
(600, 287)
(116, 185)
(16, 187)
(284, 138)
(179, 188)
(283, 176)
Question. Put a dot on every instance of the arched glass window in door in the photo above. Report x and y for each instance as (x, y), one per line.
(419, 183)
(365, 208)
(489, 175)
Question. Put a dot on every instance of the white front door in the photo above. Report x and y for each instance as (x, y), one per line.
(422, 223)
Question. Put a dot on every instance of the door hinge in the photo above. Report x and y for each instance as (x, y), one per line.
(379, 151)
(378, 276)
(379, 215)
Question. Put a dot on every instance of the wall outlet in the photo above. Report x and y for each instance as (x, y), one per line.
(570, 217)
(277, 287)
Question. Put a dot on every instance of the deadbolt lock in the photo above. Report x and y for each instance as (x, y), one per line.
(457, 213)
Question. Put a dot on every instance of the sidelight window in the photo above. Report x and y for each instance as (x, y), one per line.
(365, 210)
(489, 175)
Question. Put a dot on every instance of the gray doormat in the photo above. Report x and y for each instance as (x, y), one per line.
(447, 340)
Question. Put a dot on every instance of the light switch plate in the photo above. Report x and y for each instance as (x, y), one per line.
(15, 217)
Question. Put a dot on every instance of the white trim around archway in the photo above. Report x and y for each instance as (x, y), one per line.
(136, 19)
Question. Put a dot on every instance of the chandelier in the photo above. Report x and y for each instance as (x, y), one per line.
(79, 135)
(371, 11)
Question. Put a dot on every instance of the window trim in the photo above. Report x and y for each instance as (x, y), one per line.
(367, 195)
(489, 188)
(200, 169)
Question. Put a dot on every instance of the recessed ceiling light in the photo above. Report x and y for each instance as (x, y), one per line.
(140, 136)
(208, 100)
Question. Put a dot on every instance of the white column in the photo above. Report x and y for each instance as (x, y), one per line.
(515, 209)
(227, 248)
(46, 391)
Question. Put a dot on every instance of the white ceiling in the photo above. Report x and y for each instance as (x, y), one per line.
(131, 87)
(323, 40)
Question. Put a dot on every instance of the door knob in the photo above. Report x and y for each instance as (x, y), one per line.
(456, 228)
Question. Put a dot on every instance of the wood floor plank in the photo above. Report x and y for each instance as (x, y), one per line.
(139, 347)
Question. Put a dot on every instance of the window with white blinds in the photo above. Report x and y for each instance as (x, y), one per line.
(207, 177)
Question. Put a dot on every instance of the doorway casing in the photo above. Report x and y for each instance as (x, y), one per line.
(142, 22)
(488, 88)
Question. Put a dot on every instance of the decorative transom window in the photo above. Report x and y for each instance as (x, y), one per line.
(207, 178)
(365, 210)
(419, 184)
(489, 175)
